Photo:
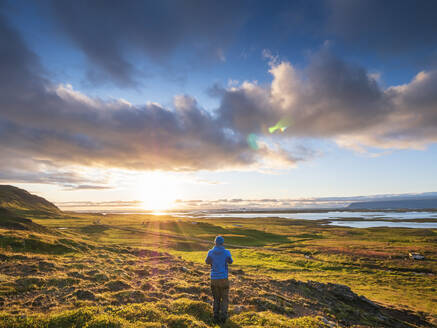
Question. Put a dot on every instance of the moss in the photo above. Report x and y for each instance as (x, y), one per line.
(27, 284)
(200, 310)
(99, 277)
(18, 244)
(62, 282)
(71, 319)
(183, 321)
(84, 295)
(116, 285)
(109, 321)
(268, 319)
(140, 312)
(130, 296)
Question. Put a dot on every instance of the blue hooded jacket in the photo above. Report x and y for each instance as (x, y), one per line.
(219, 257)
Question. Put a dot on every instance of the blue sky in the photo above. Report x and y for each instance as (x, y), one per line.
(107, 101)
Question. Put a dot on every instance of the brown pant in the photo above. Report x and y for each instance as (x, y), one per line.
(220, 292)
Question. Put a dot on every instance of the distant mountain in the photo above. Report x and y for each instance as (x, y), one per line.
(20, 200)
(413, 204)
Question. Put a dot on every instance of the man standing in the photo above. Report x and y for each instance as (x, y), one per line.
(219, 258)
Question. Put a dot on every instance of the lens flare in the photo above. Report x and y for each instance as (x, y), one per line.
(251, 141)
(282, 125)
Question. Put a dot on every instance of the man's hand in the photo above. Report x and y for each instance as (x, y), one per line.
(208, 260)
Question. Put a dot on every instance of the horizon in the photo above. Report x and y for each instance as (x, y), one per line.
(236, 104)
(304, 204)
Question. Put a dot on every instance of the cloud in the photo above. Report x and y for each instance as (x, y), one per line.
(239, 203)
(87, 187)
(338, 100)
(124, 41)
(300, 203)
(99, 206)
(385, 27)
(43, 121)
(48, 123)
(111, 31)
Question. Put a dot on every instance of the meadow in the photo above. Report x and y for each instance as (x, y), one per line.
(77, 270)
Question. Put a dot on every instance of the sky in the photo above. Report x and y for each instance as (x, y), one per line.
(167, 104)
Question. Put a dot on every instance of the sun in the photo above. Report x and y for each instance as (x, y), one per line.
(157, 192)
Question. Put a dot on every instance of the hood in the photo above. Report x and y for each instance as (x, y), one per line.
(218, 249)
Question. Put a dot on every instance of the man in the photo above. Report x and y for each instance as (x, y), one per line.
(219, 258)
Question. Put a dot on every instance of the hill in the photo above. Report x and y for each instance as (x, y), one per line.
(67, 281)
(396, 204)
(20, 200)
(93, 270)
(10, 220)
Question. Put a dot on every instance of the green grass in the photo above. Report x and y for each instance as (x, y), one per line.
(177, 314)
(91, 273)
(372, 261)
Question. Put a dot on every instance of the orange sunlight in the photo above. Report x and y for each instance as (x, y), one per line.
(157, 191)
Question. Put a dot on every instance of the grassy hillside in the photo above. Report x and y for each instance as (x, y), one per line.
(69, 280)
(11, 220)
(92, 270)
(21, 201)
(145, 271)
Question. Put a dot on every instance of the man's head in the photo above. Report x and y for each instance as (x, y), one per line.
(219, 240)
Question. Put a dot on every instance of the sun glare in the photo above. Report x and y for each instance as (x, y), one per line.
(157, 192)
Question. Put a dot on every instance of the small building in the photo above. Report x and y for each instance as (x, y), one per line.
(416, 256)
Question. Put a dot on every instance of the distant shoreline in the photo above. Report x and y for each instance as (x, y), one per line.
(254, 211)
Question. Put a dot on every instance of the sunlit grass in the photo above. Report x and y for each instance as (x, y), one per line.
(372, 261)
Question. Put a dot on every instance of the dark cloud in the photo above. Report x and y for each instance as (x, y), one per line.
(124, 40)
(43, 121)
(331, 98)
(335, 99)
(109, 31)
(388, 27)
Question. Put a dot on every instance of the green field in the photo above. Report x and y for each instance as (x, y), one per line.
(145, 270)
